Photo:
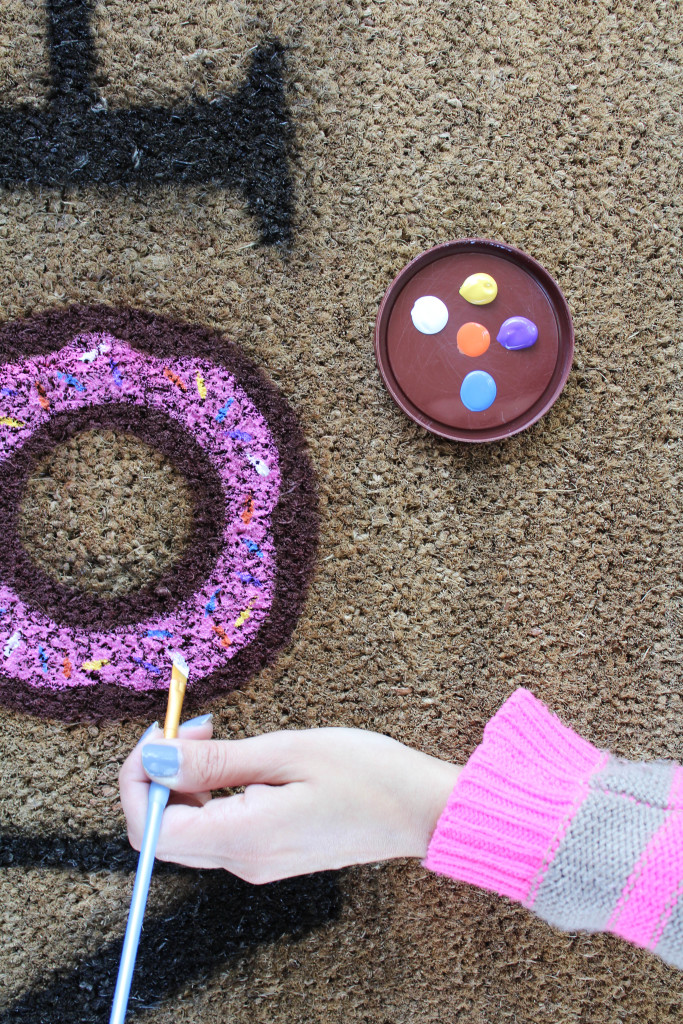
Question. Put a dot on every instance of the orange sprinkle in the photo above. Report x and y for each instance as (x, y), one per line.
(42, 396)
(225, 639)
(175, 378)
(473, 339)
(67, 668)
(248, 510)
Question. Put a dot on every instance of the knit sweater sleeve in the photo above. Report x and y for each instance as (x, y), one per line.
(584, 839)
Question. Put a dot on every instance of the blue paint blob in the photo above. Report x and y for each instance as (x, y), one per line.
(517, 332)
(478, 391)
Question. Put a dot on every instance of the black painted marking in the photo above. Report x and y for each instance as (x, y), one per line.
(241, 141)
(218, 921)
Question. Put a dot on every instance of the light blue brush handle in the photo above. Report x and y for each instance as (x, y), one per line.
(158, 798)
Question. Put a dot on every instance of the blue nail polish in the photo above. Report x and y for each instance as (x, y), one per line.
(148, 731)
(159, 761)
(193, 723)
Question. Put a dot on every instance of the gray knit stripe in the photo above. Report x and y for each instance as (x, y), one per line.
(670, 946)
(650, 783)
(602, 845)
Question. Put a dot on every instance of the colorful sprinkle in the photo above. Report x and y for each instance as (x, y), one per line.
(239, 435)
(201, 387)
(212, 602)
(248, 513)
(222, 413)
(8, 421)
(12, 643)
(116, 373)
(161, 633)
(8, 391)
(147, 665)
(43, 658)
(66, 668)
(89, 357)
(42, 396)
(94, 666)
(3, 611)
(71, 381)
(224, 638)
(242, 617)
(261, 467)
(246, 577)
(252, 547)
(175, 379)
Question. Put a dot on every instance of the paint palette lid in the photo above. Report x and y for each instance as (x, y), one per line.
(474, 340)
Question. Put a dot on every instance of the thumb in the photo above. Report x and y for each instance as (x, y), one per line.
(195, 766)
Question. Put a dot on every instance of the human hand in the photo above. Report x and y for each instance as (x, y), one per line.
(315, 799)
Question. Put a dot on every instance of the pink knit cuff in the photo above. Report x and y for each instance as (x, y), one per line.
(513, 800)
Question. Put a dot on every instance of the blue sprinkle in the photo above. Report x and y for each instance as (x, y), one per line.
(246, 577)
(159, 632)
(252, 547)
(148, 665)
(43, 658)
(222, 413)
(116, 373)
(211, 606)
(3, 611)
(239, 435)
(70, 379)
(8, 391)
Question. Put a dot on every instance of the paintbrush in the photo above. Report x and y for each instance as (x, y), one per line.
(158, 798)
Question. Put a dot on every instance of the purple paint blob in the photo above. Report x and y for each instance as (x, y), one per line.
(130, 655)
(517, 332)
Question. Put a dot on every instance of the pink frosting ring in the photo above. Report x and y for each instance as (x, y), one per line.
(218, 620)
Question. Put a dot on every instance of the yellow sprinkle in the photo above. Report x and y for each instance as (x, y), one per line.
(201, 386)
(94, 666)
(479, 289)
(7, 421)
(243, 616)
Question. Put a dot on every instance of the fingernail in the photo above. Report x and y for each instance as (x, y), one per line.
(159, 761)
(148, 731)
(192, 723)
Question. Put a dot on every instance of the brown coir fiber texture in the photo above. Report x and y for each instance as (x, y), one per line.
(446, 576)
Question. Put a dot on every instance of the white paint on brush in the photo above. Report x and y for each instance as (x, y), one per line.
(179, 663)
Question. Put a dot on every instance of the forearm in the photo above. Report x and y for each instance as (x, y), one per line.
(586, 840)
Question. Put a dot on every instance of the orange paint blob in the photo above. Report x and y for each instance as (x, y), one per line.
(473, 339)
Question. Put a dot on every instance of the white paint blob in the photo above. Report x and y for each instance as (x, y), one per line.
(429, 314)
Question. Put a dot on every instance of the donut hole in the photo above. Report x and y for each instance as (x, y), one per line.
(105, 513)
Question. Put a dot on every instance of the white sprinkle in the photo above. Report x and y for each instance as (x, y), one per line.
(259, 465)
(13, 642)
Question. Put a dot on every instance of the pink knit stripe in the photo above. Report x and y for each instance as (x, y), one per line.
(651, 891)
(676, 795)
(513, 800)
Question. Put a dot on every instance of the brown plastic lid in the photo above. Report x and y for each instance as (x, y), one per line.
(424, 373)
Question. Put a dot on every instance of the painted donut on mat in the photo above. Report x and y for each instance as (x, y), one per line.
(204, 415)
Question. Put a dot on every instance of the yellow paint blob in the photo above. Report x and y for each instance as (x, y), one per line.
(94, 666)
(8, 421)
(479, 289)
(201, 386)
